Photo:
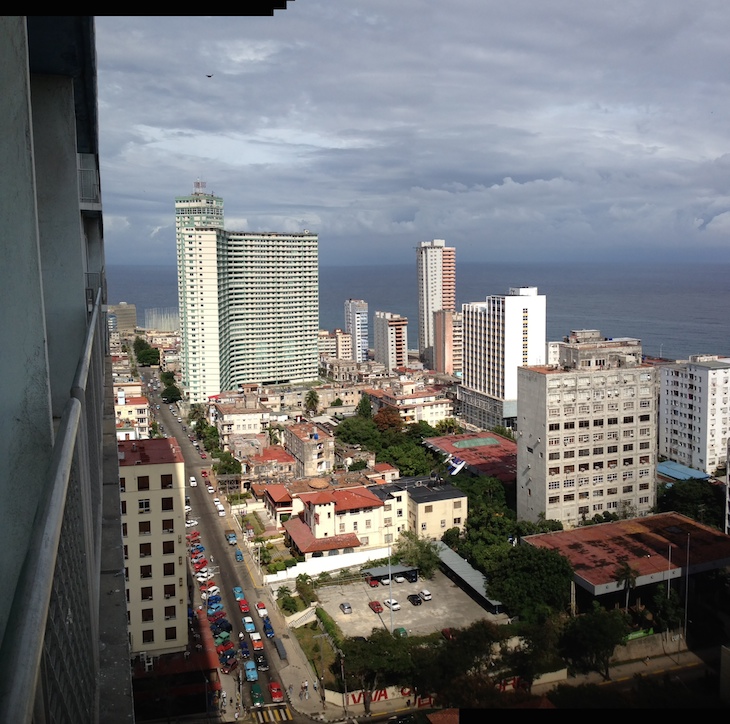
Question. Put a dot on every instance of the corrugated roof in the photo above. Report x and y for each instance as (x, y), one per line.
(677, 471)
(473, 578)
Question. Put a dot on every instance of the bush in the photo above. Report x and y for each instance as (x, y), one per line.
(289, 604)
(329, 625)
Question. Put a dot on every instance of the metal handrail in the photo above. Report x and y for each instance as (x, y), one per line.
(23, 644)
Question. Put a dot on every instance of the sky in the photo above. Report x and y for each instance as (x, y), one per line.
(529, 130)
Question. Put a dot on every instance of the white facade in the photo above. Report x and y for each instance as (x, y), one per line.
(500, 335)
(587, 436)
(356, 324)
(436, 269)
(249, 302)
(391, 340)
(693, 412)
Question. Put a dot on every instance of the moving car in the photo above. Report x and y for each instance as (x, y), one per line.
(243, 606)
(261, 663)
(345, 608)
(203, 455)
(392, 604)
(257, 643)
(277, 695)
(257, 696)
(239, 554)
(268, 629)
(261, 609)
(415, 599)
(252, 673)
(193, 482)
(204, 473)
(248, 624)
(238, 593)
(425, 595)
(211, 489)
(376, 606)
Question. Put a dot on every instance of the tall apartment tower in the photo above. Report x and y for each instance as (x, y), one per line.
(64, 653)
(391, 340)
(356, 324)
(448, 344)
(586, 441)
(152, 485)
(436, 268)
(501, 334)
(249, 302)
(693, 412)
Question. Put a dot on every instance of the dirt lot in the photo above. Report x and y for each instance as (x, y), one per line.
(449, 607)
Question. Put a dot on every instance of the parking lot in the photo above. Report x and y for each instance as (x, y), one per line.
(449, 607)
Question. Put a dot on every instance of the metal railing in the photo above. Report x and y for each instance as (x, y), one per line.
(49, 658)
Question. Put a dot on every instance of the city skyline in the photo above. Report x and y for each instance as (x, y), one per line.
(520, 131)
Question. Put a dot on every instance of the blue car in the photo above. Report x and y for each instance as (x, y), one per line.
(252, 673)
(239, 554)
(197, 548)
(238, 593)
(268, 630)
(214, 608)
(244, 650)
(248, 624)
(214, 599)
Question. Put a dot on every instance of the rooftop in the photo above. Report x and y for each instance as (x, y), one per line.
(155, 451)
(485, 453)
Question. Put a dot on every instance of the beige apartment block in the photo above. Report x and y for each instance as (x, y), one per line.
(312, 447)
(132, 413)
(413, 402)
(234, 420)
(152, 487)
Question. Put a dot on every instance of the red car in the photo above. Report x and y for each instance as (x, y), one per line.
(205, 586)
(200, 565)
(372, 582)
(376, 606)
(217, 616)
(224, 647)
(203, 455)
(448, 634)
(204, 473)
(277, 695)
(195, 535)
(243, 605)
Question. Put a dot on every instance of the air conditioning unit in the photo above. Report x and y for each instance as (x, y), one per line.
(167, 595)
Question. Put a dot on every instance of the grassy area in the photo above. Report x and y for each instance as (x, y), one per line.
(318, 651)
(255, 522)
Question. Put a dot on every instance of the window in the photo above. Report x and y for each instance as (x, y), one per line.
(598, 422)
(457, 521)
(354, 525)
(145, 527)
(612, 449)
(554, 456)
(144, 506)
(342, 527)
(553, 499)
(428, 509)
(628, 419)
(569, 454)
(554, 471)
(569, 498)
(457, 504)
(167, 504)
(423, 526)
(145, 549)
(612, 491)
(368, 523)
(584, 453)
(169, 590)
(628, 447)
(170, 613)
(122, 484)
(148, 614)
(168, 525)
(143, 482)
(598, 451)
(145, 571)
(148, 636)
(124, 507)
(124, 530)
(569, 425)
(166, 482)
(168, 569)
(387, 522)
(612, 421)
(146, 593)
(399, 514)
(584, 423)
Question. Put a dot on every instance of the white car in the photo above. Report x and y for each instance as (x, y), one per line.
(399, 579)
(392, 604)
(216, 501)
(425, 595)
(193, 482)
(211, 489)
(385, 581)
(187, 508)
(212, 591)
(191, 523)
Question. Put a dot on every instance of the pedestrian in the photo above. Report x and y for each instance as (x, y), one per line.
(240, 635)
(314, 684)
(291, 690)
(306, 685)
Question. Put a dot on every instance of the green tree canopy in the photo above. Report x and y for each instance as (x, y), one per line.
(697, 499)
(364, 407)
(171, 394)
(417, 551)
(227, 464)
(311, 401)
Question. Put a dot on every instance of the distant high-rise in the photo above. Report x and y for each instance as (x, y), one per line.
(356, 324)
(436, 267)
(249, 302)
(391, 340)
(501, 334)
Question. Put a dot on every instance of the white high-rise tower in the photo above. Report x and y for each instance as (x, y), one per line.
(436, 267)
(356, 325)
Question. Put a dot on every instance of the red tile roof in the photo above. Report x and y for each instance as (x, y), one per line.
(344, 499)
(149, 452)
(278, 493)
(305, 541)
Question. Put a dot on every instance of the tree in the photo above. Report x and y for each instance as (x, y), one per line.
(337, 402)
(275, 432)
(364, 408)
(311, 401)
(589, 640)
(421, 553)
(171, 394)
(626, 576)
(227, 464)
(448, 426)
(357, 465)
(697, 499)
(359, 430)
(386, 418)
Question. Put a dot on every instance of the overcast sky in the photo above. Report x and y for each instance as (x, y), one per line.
(521, 130)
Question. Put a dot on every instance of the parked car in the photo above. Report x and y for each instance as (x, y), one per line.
(261, 663)
(372, 582)
(268, 629)
(252, 673)
(261, 609)
(425, 595)
(217, 616)
(245, 651)
(243, 606)
(257, 696)
(200, 565)
(238, 593)
(193, 482)
(415, 599)
(345, 608)
(277, 695)
(203, 455)
(191, 523)
(385, 581)
(248, 624)
(399, 579)
(448, 634)
(225, 646)
(376, 606)
(230, 666)
(392, 604)
(257, 643)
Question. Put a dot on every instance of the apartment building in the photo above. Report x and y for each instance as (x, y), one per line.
(132, 415)
(413, 402)
(391, 340)
(152, 487)
(500, 334)
(249, 302)
(234, 420)
(586, 441)
(436, 270)
(312, 447)
(356, 325)
(693, 412)
(448, 342)
(336, 344)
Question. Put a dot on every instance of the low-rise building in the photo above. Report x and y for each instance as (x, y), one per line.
(131, 413)
(312, 447)
(413, 402)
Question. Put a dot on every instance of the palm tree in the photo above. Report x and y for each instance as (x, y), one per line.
(311, 401)
(626, 576)
(275, 434)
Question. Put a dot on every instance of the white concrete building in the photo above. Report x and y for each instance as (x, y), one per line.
(500, 334)
(436, 269)
(391, 340)
(356, 324)
(152, 489)
(693, 412)
(413, 402)
(336, 344)
(586, 441)
(249, 302)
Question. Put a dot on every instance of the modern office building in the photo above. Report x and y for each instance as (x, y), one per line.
(64, 652)
(391, 340)
(500, 334)
(693, 412)
(152, 489)
(249, 302)
(436, 268)
(125, 316)
(586, 441)
(356, 325)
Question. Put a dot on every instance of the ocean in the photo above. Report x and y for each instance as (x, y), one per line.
(675, 310)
